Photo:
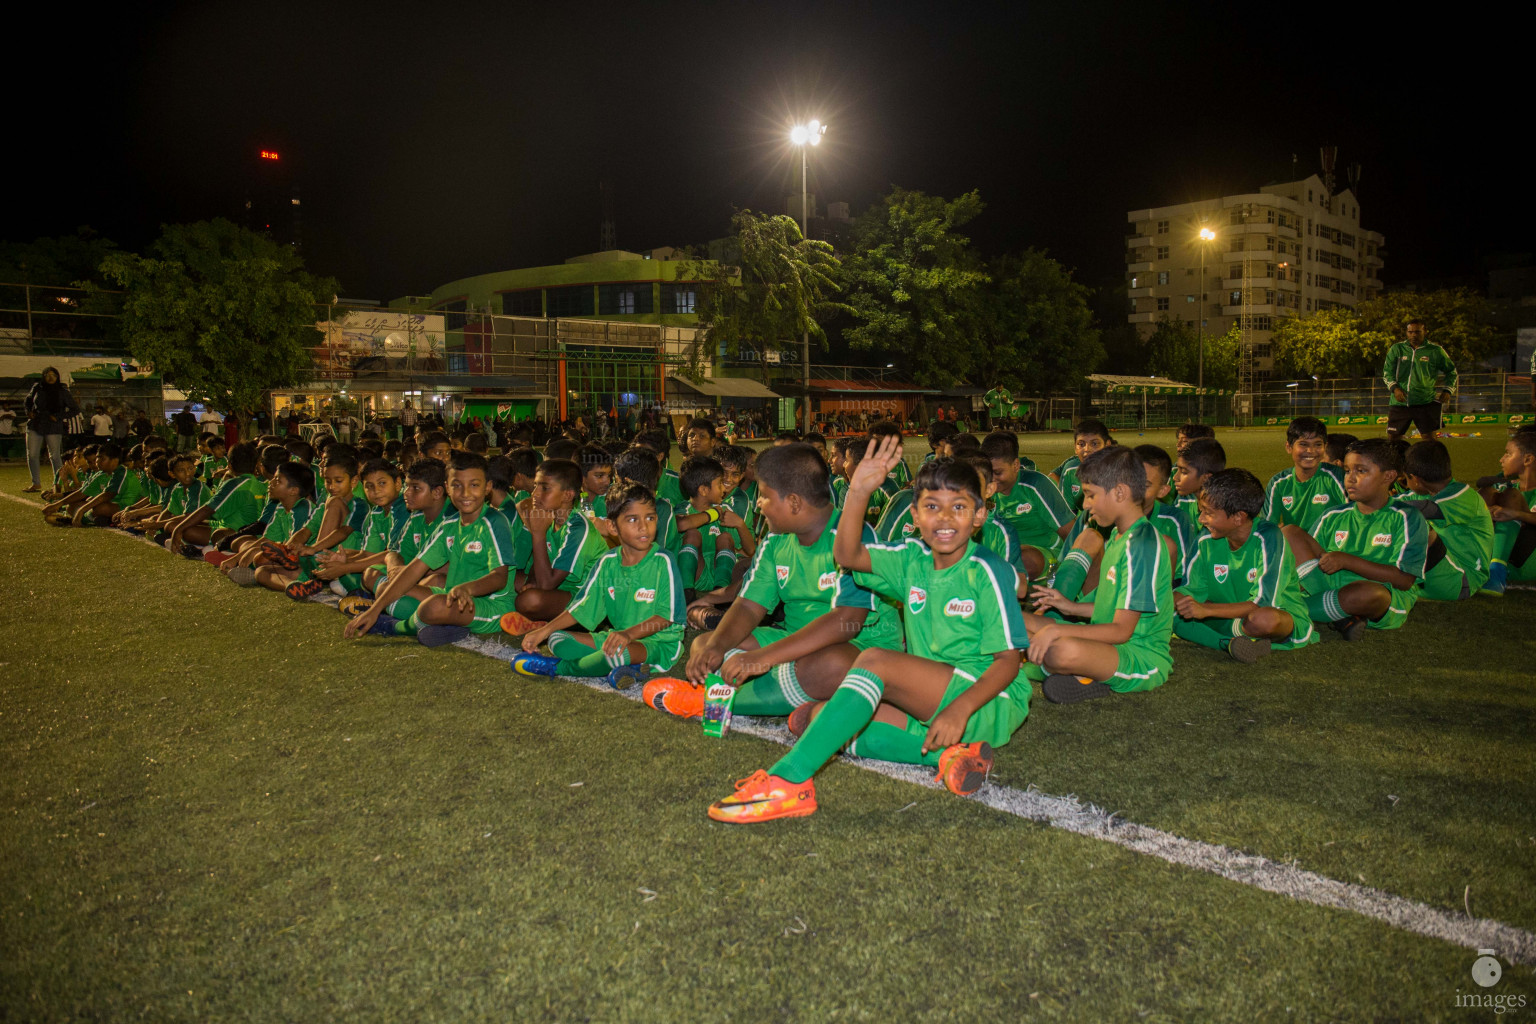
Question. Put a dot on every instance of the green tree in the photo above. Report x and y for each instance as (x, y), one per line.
(915, 286)
(773, 286)
(1173, 351)
(1037, 326)
(222, 312)
(1344, 342)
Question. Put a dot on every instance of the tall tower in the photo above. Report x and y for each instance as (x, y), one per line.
(272, 200)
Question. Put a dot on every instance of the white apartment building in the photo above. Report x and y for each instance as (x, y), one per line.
(1284, 251)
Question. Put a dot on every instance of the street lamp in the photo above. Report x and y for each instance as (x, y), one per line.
(1207, 236)
(801, 135)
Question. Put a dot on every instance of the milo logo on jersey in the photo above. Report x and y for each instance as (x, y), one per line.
(917, 598)
(1023, 508)
(1380, 539)
(1253, 575)
(1319, 499)
(827, 580)
(1220, 572)
(646, 595)
(959, 608)
(610, 593)
(908, 529)
(474, 547)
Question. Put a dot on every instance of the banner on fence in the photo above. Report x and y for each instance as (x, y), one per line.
(1467, 419)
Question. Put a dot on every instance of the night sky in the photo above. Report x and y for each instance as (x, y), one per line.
(458, 139)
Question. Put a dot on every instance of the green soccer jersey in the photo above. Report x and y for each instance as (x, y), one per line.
(115, 484)
(186, 497)
(1071, 488)
(1420, 372)
(1289, 501)
(839, 491)
(384, 526)
(806, 580)
(574, 547)
(356, 517)
(1262, 570)
(1464, 525)
(959, 616)
(670, 487)
(896, 522)
(1035, 509)
(237, 503)
(95, 483)
(131, 489)
(210, 468)
(666, 522)
(627, 595)
(472, 550)
(1167, 521)
(998, 537)
(417, 532)
(1391, 535)
(280, 522)
(1136, 574)
(1188, 508)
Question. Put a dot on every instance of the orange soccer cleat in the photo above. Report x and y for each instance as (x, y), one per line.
(964, 766)
(675, 697)
(518, 624)
(763, 797)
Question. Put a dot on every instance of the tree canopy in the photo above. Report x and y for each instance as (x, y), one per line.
(1344, 342)
(1035, 326)
(222, 312)
(1173, 351)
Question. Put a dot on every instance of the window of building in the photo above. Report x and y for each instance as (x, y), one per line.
(1235, 297)
(1269, 216)
(1309, 252)
(1162, 227)
(1309, 305)
(1189, 299)
(1309, 195)
(624, 298)
(454, 317)
(1263, 323)
(1189, 271)
(1135, 279)
(1162, 277)
(681, 297)
(525, 303)
(575, 300)
(1309, 280)
(1162, 252)
(1236, 245)
(1162, 305)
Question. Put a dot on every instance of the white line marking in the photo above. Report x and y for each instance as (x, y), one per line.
(1071, 815)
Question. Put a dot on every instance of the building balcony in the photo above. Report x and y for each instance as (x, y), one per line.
(1373, 261)
(1138, 241)
(1142, 318)
(1285, 284)
(1137, 268)
(1286, 232)
(1253, 282)
(1259, 255)
(1259, 309)
(1138, 293)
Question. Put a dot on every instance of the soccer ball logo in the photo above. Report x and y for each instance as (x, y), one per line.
(1486, 971)
(917, 598)
(1221, 573)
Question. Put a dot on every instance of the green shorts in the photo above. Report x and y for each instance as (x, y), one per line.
(661, 650)
(1449, 582)
(488, 611)
(1050, 562)
(995, 722)
(765, 635)
(1324, 607)
(1138, 669)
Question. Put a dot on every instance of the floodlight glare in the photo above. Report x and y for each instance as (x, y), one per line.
(1207, 235)
(798, 135)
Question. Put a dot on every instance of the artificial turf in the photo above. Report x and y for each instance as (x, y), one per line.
(218, 809)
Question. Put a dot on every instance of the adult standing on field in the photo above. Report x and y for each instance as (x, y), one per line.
(1422, 378)
(185, 423)
(49, 407)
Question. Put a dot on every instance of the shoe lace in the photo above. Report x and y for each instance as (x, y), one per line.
(757, 778)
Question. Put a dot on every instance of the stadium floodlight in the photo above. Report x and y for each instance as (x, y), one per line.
(810, 132)
(1207, 235)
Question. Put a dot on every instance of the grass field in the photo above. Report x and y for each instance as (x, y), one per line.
(217, 809)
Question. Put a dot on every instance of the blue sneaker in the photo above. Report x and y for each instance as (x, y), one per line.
(439, 636)
(1498, 575)
(384, 625)
(625, 676)
(525, 664)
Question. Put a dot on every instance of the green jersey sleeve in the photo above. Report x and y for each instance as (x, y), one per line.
(848, 593)
(589, 608)
(1414, 547)
(759, 585)
(435, 554)
(887, 568)
(576, 529)
(1144, 554)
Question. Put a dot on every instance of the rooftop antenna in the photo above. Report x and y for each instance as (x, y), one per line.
(1328, 157)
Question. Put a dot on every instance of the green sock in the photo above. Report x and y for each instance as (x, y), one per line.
(593, 663)
(1200, 633)
(403, 607)
(1504, 535)
(724, 562)
(776, 692)
(1072, 573)
(566, 647)
(843, 718)
(888, 743)
(688, 565)
(352, 581)
(408, 626)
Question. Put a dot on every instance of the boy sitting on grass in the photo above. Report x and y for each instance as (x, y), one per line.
(386, 518)
(1337, 448)
(1242, 595)
(98, 501)
(288, 507)
(556, 555)
(1088, 437)
(635, 588)
(1123, 648)
(291, 567)
(80, 473)
(426, 498)
(1199, 459)
(186, 492)
(1362, 562)
(957, 692)
(476, 550)
(709, 550)
(1300, 495)
(1029, 502)
(1460, 554)
(596, 474)
(235, 505)
(1514, 515)
(214, 463)
(1178, 532)
(157, 484)
(828, 617)
(670, 487)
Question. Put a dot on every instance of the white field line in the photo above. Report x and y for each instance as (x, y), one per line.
(1070, 814)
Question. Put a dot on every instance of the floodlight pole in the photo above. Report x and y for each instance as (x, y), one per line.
(805, 339)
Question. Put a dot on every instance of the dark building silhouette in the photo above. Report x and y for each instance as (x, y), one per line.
(272, 200)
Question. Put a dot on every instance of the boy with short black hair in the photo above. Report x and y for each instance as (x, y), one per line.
(561, 545)
(1242, 595)
(1300, 495)
(156, 485)
(1337, 447)
(1460, 555)
(235, 505)
(596, 474)
(1029, 503)
(1199, 459)
(938, 431)
(1192, 432)
(288, 505)
(96, 502)
(382, 529)
(1178, 532)
(186, 492)
(709, 551)
(670, 486)
(699, 439)
(1089, 436)
(1123, 648)
(563, 449)
(1361, 563)
(337, 518)
(475, 549)
(1514, 514)
(214, 461)
(426, 499)
(956, 694)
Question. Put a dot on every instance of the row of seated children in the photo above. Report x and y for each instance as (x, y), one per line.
(841, 668)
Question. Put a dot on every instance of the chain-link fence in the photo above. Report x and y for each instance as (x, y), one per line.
(1477, 394)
